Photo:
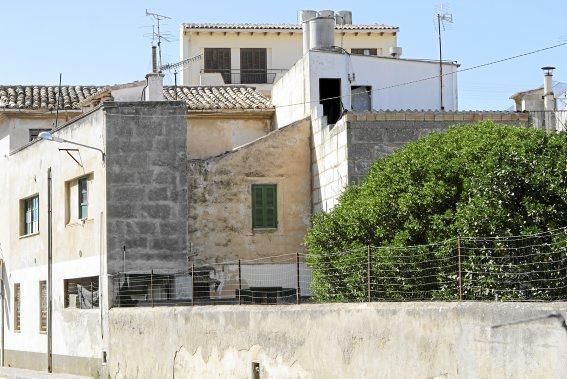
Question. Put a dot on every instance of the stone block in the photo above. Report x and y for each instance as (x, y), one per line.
(159, 194)
(136, 242)
(429, 116)
(380, 116)
(171, 228)
(165, 243)
(127, 193)
(469, 116)
(156, 211)
(145, 227)
(165, 177)
(120, 211)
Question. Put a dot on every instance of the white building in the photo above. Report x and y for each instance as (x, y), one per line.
(259, 54)
(547, 105)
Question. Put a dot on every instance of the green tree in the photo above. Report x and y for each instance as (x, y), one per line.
(478, 180)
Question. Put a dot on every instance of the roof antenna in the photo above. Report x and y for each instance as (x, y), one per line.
(443, 16)
(157, 34)
(58, 100)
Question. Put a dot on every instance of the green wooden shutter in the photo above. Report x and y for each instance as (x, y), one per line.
(264, 206)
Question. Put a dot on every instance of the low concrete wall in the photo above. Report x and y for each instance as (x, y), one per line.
(383, 340)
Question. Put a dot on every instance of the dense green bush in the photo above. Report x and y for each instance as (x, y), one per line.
(479, 180)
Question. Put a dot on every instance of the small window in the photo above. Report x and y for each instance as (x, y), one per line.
(34, 133)
(81, 293)
(330, 98)
(361, 99)
(17, 307)
(264, 206)
(30, 217)
(366, 52)
(83, 198)
(43, 306)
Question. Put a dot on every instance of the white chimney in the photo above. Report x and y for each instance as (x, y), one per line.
(548, 96)
(303, 17)
(322, 31)
(154, 81)
(344, 17)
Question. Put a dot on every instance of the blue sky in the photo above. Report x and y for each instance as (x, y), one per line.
(103, 42)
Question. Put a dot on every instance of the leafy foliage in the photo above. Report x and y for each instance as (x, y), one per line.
(477, 180)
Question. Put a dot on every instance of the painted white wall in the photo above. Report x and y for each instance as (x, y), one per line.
(284, 48)
(296, 95)
(78, 247)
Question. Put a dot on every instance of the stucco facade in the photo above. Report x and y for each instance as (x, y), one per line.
(220, 199)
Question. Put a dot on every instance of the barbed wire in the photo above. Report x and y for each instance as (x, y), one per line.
(510, 268)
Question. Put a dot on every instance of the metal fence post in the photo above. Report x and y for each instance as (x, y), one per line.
(193, 284)
(460, 274)
(298, 291)
(239, 283)
(368, 271)
(152, 286)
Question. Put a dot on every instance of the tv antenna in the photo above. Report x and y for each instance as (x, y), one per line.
(156, 33)
(443, 16)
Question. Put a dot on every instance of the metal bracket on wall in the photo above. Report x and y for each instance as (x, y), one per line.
(71, 155)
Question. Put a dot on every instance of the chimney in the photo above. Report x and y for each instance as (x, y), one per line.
(322, 31)
(548, 96)
(154, 81)
(344, 17)
(304, 16)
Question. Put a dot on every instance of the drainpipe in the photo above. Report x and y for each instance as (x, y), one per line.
(49, 275)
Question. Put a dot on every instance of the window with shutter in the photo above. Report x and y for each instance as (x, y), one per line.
(218, 60)
(43, 306)
(83, 198)
(30, 216)
(264, 206)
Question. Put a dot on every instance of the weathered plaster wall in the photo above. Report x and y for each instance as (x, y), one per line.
(220, 202)
(146, 185)
(375, 340)
(77, 248)
(213, 134)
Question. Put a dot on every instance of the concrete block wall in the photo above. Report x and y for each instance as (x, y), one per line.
(146, 185)
(329, 163)
(376, 134)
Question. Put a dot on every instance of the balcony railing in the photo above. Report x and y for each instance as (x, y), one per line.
(247, 76)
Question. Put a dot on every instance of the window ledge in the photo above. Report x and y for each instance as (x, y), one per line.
(79, 222)
(28, 235)
(264, 230)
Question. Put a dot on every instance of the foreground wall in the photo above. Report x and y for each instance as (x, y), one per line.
(445, 340)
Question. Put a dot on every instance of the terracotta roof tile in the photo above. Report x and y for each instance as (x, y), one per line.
(44, 97)
(197, 98)
(247, 26)
(218, 97)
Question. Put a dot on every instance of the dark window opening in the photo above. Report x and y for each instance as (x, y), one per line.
(218, 60)
(34, 133)
(361, 98)
(253, 66)
(81, 293)
(364, 51)
(330, 98)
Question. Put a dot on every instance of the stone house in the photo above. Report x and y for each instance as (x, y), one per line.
(184, 176)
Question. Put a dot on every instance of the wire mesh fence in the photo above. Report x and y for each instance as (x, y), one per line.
(526, 268)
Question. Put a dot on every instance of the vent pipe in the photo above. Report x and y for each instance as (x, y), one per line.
(344, 17)
(548, 96)
(303, 17)
(154, 59)
(154, 81)
(322, 31)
